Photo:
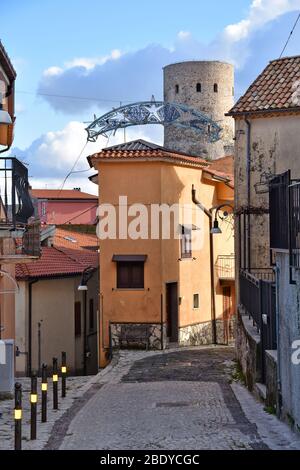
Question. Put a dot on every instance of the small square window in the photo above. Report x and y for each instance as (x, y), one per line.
(196, 301)
(130, 275)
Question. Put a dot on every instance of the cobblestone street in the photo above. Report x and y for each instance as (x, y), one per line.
(176, 399)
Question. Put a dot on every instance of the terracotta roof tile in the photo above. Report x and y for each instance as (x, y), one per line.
(223, 168)
(145, 150)
(56, 262)
(274, 88)
(61, 194)
(75, 240)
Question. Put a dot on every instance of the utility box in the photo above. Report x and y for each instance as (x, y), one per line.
(7, 368)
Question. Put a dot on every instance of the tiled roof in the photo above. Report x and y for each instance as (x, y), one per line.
(75, 240)
(61, 194)
(55, 262)
(223, 168)
(142, 150)
(274, 89)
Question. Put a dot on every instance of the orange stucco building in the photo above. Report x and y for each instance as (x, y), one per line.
(180, 288)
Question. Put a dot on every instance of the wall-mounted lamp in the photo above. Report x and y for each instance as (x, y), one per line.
(86, 276)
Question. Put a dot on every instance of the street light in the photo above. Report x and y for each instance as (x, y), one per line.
(215, 230)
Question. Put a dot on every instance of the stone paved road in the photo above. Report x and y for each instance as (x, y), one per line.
(174, 400)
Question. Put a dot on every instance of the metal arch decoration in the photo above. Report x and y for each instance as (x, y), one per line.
(153, 112)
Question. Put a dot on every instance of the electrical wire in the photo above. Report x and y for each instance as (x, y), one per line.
(290, 35)
(72, 169)
(71, 97)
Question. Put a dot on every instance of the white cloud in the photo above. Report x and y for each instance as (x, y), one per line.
(183, 35)
(261, 12)
(87, 63)
(135, 76)
(51, 156)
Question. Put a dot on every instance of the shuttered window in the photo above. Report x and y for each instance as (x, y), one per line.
(130, 275)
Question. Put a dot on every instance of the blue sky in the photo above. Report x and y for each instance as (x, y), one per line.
(115, 51)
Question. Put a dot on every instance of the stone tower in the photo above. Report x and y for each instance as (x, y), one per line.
(206, 86)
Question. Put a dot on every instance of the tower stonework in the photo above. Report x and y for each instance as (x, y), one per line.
(206, 86)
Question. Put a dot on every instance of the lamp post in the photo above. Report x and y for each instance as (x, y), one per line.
(213, 230)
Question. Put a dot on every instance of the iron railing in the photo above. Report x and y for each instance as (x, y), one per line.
(225, 267)
(279, 211)
(284, 197)
(258, 297)
(16, 205)
(294, 199)
(250, 296)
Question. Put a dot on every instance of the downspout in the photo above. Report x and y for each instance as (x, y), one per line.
(29, 367)
(84, 333)
(248, 171)
(211, 259)
(279, 394)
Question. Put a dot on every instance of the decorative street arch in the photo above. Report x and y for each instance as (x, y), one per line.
(153, 112)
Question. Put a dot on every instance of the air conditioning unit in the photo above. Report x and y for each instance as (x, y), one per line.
(7, 367)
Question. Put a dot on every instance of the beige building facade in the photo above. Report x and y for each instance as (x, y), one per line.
(175, 298)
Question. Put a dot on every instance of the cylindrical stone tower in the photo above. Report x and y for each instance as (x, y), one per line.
(206, 86)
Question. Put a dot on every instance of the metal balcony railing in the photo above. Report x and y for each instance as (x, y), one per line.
(16, 205)
(225, 267)
(17, 219)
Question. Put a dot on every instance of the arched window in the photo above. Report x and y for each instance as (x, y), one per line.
(216, 88)
(198, 88)
(176, 89)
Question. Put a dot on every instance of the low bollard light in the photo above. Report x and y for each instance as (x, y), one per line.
(33, 406)
(55, 384)
(63, 374)
(18, 416)
(44, 388)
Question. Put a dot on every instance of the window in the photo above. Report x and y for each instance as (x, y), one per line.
(186, 242)
(176, 89)
(130, 275)
(91, 314)
(216, 88)
(196, 301)
(77, 318)
(233, 91)
(198, 88)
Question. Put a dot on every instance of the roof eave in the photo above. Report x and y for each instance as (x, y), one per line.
(264, 111)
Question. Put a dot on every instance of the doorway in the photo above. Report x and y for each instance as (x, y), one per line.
(172, 311)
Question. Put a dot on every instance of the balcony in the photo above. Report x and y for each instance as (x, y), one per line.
(19, 230)
(225, 267)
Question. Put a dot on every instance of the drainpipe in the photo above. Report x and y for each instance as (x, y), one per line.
(84, 333)
(211, 259)
(248, 171)
(279, 392)
(29, 368)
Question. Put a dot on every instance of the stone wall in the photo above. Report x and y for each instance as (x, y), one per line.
(201, 333)
(154, 338)
(186, 76)
(271, 379)
(248, 349)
